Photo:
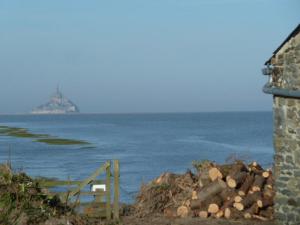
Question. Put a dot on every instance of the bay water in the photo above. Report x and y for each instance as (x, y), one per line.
(146, 144)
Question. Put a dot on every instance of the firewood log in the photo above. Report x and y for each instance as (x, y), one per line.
(235, 179)
(207, 192)
(227, 194)
(254, 166)
(225, 169)
(246, 185)
(260, 218)
(214, 174)
(265, 174)
(183, 211)
(258, 183)
(213, 208)
(215, 204)
(194, 195)
(267, 213)
(203, 214)
(232, 213)
(251, 211)
(226, 207)
(267, 192)
(236, 168)
(204, 179)
(227, 204)
(200, 211)
(270, 182)
(256, 169)
(197, 204)
(265, 202)
(219, 214)
(227, 213)
(247, 201)
(239, 206)
(238, 198)
(200, 206)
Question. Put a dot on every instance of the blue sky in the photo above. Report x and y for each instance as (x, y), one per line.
(141, 56)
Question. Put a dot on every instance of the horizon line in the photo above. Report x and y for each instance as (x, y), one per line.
(105, 113)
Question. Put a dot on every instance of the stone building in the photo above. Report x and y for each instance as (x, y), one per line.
(283, 69)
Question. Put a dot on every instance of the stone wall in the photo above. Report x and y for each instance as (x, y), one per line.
(287, 133)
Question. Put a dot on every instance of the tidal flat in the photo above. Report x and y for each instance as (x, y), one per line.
(18, 132)
(62, 141)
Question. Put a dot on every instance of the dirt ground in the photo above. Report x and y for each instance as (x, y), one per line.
(161, 220)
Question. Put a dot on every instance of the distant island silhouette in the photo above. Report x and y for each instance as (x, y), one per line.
(58, 104)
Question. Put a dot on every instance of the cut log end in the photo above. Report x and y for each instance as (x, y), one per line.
(269, 186)
(203, 214)
(236, 178)
(231, 182)
(182, 211)
(219, 214)
(238, 198)
(247, 215)
(214, 174)
(239, 206)
(266, 174)
(256, 189)
(227, 213)
(213, 208)
(265, 202)
(259, 203)
(194, 195)
(241, 193)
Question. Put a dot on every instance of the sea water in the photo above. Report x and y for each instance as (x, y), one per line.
(146, 144)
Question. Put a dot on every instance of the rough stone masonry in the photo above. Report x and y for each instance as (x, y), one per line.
(284, 71)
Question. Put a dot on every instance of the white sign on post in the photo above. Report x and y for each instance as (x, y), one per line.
(96, 187)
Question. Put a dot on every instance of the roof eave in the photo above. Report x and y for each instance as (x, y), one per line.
(292, 34)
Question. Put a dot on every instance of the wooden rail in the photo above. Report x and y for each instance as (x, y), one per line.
(98, 207)
(116, 189)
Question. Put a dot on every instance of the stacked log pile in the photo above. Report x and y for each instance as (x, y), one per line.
(231, 191)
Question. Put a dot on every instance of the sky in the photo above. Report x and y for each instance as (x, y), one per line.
(138, 56)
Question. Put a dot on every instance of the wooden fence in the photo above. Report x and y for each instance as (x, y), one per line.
(98, 189)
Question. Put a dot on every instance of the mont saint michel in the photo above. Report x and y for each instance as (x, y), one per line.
(58, 104)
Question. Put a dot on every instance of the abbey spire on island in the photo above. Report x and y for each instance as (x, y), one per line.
(58, 104)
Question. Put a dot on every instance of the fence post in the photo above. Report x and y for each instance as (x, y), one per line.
(116, 189)
(108, 203)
